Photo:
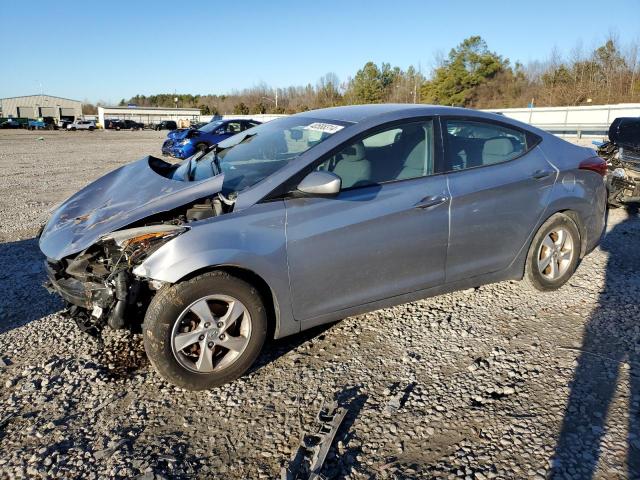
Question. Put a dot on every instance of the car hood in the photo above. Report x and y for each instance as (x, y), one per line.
(179, 134)
(117, 199)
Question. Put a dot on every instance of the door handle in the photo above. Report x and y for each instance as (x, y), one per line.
(431, 201)
(540, 174)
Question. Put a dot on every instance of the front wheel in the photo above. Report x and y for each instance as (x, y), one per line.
(206, 331)
(554, 253)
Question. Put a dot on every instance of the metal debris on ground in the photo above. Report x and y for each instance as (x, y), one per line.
(5, 421)
(108, 452)
(307, 461)
(398, 400)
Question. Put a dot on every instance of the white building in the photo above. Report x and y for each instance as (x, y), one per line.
(148, 115)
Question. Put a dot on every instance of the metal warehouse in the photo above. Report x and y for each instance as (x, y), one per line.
(147, 115)
(41, 106)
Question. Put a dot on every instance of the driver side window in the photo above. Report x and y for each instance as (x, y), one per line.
(401, 152)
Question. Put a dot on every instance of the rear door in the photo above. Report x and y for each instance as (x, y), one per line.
(500, 185)
(382, 235)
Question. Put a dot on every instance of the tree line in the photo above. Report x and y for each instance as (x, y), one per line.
(471, 75)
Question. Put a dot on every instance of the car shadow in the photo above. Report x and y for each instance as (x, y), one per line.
(610, 350)
(22, 275)
(274, 349)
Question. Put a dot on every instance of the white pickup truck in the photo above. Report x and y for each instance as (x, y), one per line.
(82, 125)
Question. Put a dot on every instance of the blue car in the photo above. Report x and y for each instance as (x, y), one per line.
(185, 142)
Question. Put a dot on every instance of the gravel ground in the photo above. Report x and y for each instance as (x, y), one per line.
(494, 382)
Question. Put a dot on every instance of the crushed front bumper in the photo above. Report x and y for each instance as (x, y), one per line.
(173, 149)
(85, 294)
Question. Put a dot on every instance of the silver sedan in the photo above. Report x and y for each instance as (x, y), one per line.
(315, 217)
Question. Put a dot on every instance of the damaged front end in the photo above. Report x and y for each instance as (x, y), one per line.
(94, 240)
(622, 153)
(98, 283)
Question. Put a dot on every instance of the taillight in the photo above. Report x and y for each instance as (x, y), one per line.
(595, 164)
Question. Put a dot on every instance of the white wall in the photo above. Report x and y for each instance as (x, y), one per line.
(572, 120)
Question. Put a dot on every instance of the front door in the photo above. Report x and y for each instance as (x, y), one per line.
(385, 234)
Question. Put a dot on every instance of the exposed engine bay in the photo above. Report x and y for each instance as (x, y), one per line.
(98, 284)
(622, 153)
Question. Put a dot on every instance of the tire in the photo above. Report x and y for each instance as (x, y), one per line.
(91, 129)
(201, 147)
(73, 129)
(565, 254)
(170, 314)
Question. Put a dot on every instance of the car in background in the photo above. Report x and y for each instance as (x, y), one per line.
(82, 125)
(63, 122)
(132, 125)
(622, 153)
(315, 217)
(166, 125)
(115, 124)
(40, 125)
(185, 142)
(11, 123)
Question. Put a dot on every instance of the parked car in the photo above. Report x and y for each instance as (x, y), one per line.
(11, 123)
(318, 216)
(62, 123)
(44, 124)
(82, 125)
(185, 142)
(132, 125)
(166, 125)
(115, 124)
(622, 153)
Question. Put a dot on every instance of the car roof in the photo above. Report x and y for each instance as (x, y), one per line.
(359, 113)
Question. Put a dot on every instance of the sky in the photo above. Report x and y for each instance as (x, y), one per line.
(108, 50)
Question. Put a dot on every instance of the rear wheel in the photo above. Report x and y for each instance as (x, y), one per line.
(554, 254)
(206, 331)
(201, 147)
(91, 129)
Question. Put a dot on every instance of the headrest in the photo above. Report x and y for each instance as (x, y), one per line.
(353, 153)
(498, 146)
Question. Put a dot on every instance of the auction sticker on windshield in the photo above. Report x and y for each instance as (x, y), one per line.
(324, 127)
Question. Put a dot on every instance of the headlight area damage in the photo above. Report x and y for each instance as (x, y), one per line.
(98, 283)
(95, 239)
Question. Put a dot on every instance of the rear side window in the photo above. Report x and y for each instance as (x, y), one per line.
(472, 144)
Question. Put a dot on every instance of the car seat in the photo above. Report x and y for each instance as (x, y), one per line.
(352, 166)
(496, 150)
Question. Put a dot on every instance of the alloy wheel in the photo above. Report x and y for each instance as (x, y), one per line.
(555, 254)
(211, 333)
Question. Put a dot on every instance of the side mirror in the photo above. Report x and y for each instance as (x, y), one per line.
(320, 184)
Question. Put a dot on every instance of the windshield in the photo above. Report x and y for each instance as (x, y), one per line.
(210, 127)
(251, 156)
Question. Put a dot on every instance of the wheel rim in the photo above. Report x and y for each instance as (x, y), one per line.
(211, 333)
(555, 254)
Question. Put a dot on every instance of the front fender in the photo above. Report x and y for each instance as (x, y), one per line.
(253, 240)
